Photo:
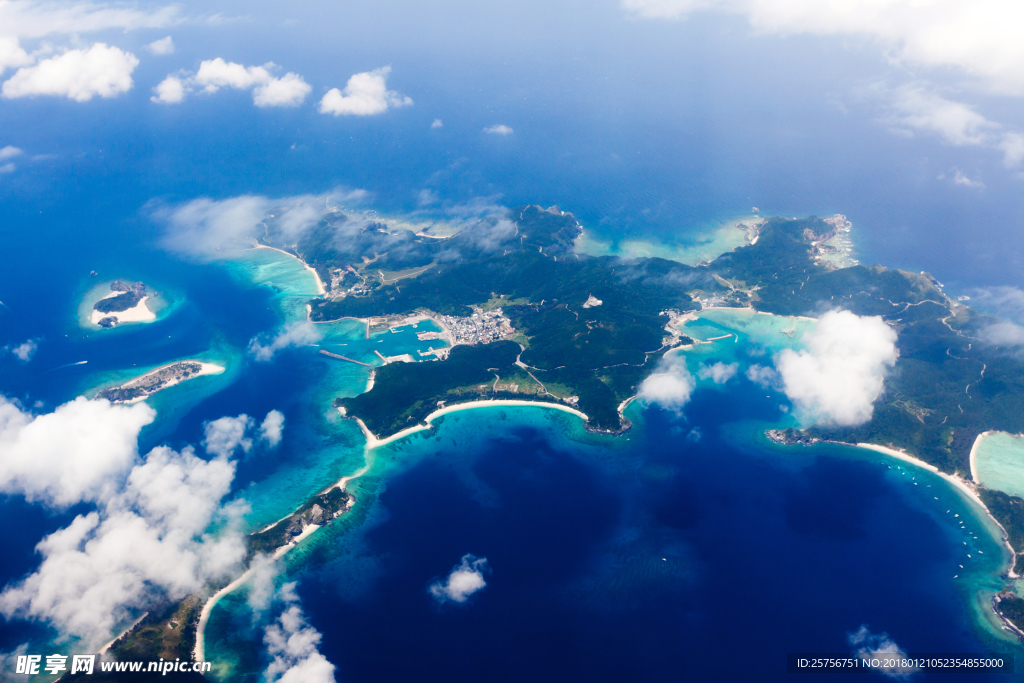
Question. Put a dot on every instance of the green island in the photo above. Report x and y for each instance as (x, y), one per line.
(529, 318)
(948, 386)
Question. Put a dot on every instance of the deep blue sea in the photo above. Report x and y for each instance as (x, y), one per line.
(689, 549)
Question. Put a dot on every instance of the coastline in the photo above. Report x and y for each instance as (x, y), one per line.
(965, 487)
(372, 441)
(321, 290)
(974, 452)
(199, 653)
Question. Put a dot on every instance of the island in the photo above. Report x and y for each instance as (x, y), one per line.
(144, 386)
(527, 318)
(586, 330)
(125, 303)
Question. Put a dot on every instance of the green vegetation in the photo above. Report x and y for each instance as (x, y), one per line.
(598, 354)
(404, 394)
(1009, 511)
(130, 295)
(319, 510)
(1012, 608)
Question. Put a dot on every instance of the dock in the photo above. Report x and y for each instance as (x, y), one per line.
(339, 357)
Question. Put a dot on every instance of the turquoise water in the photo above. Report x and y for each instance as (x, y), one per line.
(999, 462)
(650, 514)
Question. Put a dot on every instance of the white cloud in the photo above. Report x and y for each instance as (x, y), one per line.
(868, 645)
(164, 46)
(837, 378)
(8, 167)
(670, 385)
(438, 123)
(499, 129)
(145, 543)
(215, 74)
(9, 152)
(960, 178)
(11, 54)
(465, 579)
(293, 334)
(293, 645)
(33, 19)
(222, 436)
(365, 94)
(24, 351)
(719, 372)
(980, 38)
(204, 227)
(1004, 334)
(764, 376)
(289, 90)
(272, 428)
(79, 75)
(76, 453)
(264, 570)
(171, 90)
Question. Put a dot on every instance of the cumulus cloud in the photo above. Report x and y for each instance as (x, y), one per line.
(222, 436)
(9, 152)
(293, 645)
(978, 38)
(1004, 301)
(764, 376)
(293, 334)
(719, 372)
(365, 94)
(80, 75)
(164, 46)
(272, 428)
(465, 579)
(268, 90)
(12, 54)
(76, 453)
(264, 570)
(839, 375)
(171, 90)
(868, 645)
(23, 351)
(670, 385)
(499, 129)
(147, 542)
(438, 123)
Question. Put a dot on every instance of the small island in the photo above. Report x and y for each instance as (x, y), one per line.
(125, 303)
(144, 386)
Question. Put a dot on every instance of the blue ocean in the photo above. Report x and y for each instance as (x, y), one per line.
(689, 548)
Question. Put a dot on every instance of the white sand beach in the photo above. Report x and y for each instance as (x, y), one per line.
(373, 442)
(974, 452)
(139, 313)
(319, 283)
